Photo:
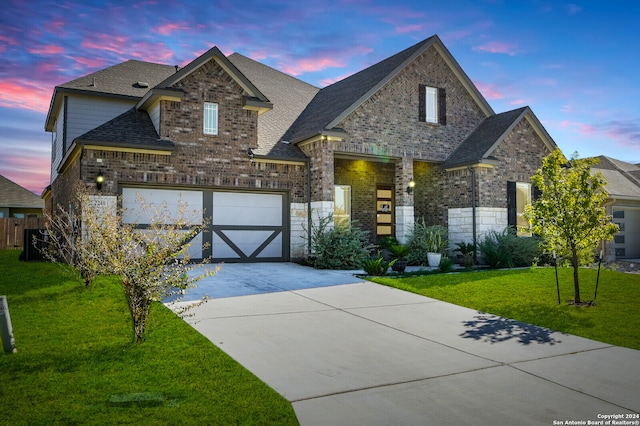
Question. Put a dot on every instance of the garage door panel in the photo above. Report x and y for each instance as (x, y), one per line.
(142, 206)
(247, 209)
(241, 226)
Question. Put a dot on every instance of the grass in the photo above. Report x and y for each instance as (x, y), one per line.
(76, 363)
(530, 295)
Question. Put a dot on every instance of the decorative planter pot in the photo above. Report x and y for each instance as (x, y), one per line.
(433, 259)
(399, 266)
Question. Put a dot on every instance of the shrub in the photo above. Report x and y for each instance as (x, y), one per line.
(427, 239)
(342, 247)
(446, 265)
(506, 250)
(377, 266)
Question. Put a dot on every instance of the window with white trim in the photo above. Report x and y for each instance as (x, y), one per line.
(523, 199)
(210, 118)
(342, 204)
(433, 106)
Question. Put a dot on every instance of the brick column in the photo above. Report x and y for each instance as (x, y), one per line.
(405, 215)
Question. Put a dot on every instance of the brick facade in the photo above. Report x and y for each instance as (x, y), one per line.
(199, 160)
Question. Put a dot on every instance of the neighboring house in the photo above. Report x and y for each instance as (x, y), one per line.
(18, 202)
(263, 154)
(623, 185)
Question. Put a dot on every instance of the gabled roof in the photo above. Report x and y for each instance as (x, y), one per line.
(131, 129)
(254, 99)
(289, 96)
(478, 147)
(623, 179)
(129, 80)
(333, 103)
(15, 196)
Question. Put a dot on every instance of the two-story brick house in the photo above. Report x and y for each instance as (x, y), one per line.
(262, 153)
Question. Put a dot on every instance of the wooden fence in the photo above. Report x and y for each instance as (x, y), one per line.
(12, 231)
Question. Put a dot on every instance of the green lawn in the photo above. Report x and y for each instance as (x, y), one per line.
(76, 357)
(530, 295)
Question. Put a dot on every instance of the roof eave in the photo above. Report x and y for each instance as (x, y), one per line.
(215, 54)
(156, 95)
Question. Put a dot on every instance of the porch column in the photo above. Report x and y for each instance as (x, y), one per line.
(404, 201)
(321, 168)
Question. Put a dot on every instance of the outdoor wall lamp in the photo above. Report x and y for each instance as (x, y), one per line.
(99, 180)
(412, 184)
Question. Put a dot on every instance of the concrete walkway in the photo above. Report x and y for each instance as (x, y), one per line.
(349, 352)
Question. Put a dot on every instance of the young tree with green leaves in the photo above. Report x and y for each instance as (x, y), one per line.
(152, 263)
(570, 215)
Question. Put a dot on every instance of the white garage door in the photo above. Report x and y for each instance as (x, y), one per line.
(242, 226)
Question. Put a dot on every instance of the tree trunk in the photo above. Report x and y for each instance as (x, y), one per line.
(139, 306)
(576, 266)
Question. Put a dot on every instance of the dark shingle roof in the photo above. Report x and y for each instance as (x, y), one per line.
(122, 79)
(15, 196)
(623, 179)
(339, 97)
(132, 129)
(478, 145)
(289, 96)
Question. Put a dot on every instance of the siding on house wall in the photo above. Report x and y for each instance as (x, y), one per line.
(58, 144)
(83, 113)
(154, 114)
(86, 113)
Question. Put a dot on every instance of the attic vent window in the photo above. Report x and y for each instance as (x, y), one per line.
(142, 84)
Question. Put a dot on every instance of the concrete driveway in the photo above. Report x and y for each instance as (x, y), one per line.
(349, 352)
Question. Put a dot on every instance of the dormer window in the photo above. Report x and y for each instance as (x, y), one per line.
(432, 108)
(210, 118)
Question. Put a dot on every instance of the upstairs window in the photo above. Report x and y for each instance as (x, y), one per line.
(210, 118)
(433, 107)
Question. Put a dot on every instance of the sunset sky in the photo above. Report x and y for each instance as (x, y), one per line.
(574, 63)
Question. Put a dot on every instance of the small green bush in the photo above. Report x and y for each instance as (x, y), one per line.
(446, 265)
(426, 239)
(506, 250)
(377, 266)
(342, 247)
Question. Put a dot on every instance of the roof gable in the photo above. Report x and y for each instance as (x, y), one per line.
(482, 142)
(333, 103)
(15, 196)
(216, 55)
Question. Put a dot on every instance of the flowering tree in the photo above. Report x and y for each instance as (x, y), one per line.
(570, 215)
(152, 263)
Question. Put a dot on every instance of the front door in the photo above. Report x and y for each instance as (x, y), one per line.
(384, 212)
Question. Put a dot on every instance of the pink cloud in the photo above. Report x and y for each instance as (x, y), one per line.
(48, 49)
(409, 28)
(489, 91)
(310, 65)
(29, 171)
(496, 47)
(91, 63)
(106, 42)
(15, 93)
(169, 28)
(583, 128)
